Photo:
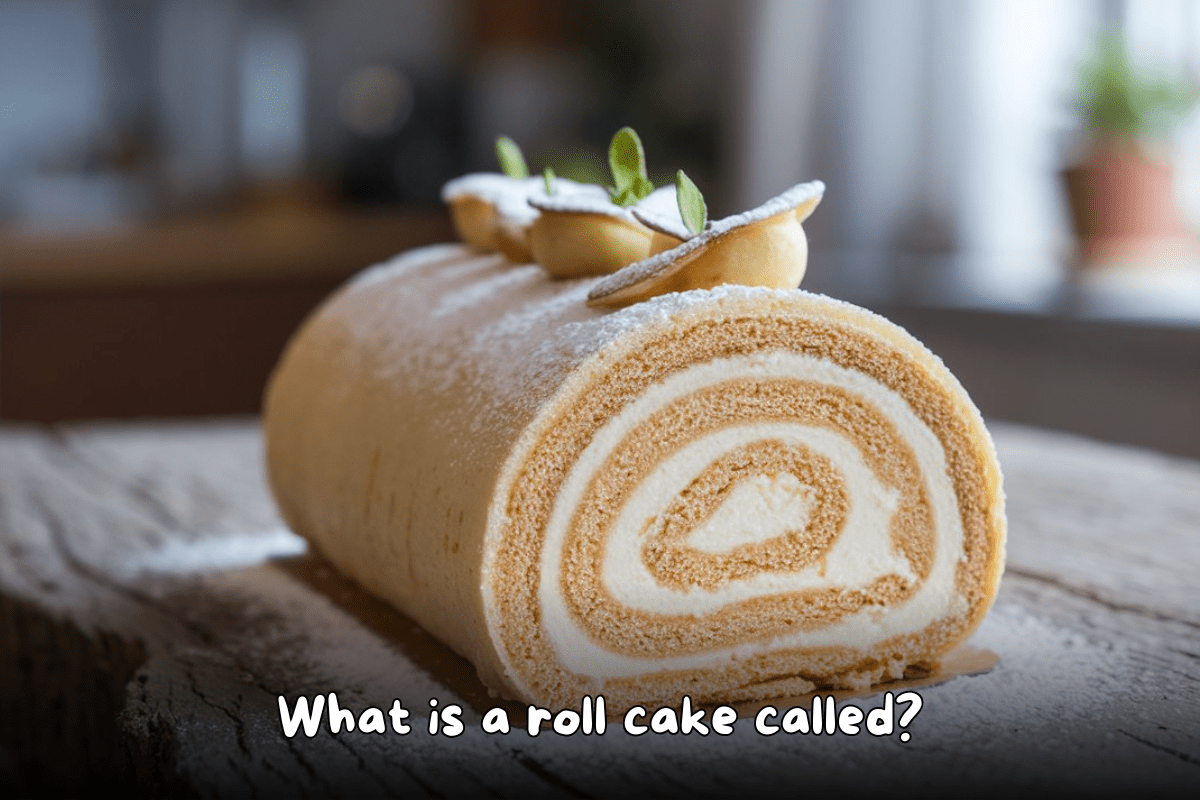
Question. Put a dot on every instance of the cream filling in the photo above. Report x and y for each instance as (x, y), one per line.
(861, 554)
(755, 513)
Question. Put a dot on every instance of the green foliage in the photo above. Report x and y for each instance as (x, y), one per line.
(691, 203)
(511, 161)
(1123, 101)
(627, 161)
(548, 177)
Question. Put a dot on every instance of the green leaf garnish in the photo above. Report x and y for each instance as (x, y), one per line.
(548, 176)
(628, 163)
(691, 203)
(510, 158)
(640, 188)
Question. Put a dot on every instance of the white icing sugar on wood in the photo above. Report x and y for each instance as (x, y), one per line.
(218, 552)
(648, 268)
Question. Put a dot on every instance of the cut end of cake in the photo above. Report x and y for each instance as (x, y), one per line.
(744, 496)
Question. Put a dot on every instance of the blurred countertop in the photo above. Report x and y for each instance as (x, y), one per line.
(263, 244)
(179, 317)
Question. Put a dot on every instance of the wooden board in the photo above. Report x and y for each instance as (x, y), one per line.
(152, 611)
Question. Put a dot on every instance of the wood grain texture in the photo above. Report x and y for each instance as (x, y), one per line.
(152, 610)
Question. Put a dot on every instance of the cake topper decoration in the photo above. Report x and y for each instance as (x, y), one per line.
(627, 160)
(762, 247)
(490, 210)
(655, 241)
(595, 230)
(512, 162)
(579, 231)
(692, 209)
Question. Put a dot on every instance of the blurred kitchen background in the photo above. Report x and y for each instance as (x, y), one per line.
(1017, 182)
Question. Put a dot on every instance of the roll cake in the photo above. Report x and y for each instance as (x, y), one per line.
(729, 493)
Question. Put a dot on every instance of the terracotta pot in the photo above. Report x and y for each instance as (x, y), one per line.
(1123, 202)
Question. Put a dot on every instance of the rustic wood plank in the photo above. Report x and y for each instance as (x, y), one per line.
(153, 609)
(1118, 524)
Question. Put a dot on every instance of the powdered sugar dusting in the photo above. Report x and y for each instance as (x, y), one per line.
(405, 262)
(508, 195)
(586, 198)
(663, 262)
(520, 315)
(479, 291)
(660, 212)
(659, 205)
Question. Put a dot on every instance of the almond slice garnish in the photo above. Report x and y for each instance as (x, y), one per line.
(762, 247)
(579, 231)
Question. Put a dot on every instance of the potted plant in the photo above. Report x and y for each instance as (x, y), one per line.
(1121, 191)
